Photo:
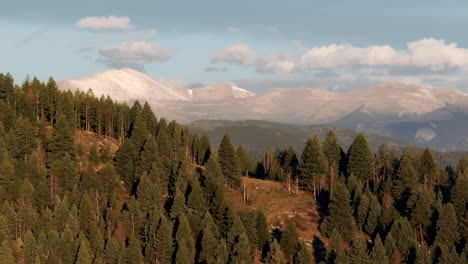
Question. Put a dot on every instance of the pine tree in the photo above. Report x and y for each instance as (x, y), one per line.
(331, 151)
(375, 211)
(303, 255)
(360, 158)
(6, 253)
(125, 162)
(184, 241)
(147, 157)
(207, 247)
(25, 133)
(133, 252)
(228, 162)
(29, 248)
(112, 251)
(261, 228)
(241, 251)
(62, 141)
(378, 253)
(336, 253)
(447, 228)
(275, 255)
(340, 214)
(358, 252)
(178, 207)
(312, 165)
(289, 240)
(195, 200)
(84, 255)
(164, 243)
(421, 212)
(362, 211)
(93, 155)
(405, 238)
(406, 178)
(427, 168)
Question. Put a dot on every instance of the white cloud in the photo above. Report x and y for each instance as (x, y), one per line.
(431, 54)
(275, 63)
(133, 54)
(232, 29)
(109, 23)
(240, 54)
(245, 55)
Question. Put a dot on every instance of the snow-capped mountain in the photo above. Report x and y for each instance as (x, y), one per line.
(125, 84)
(405, 111)
(219, 92)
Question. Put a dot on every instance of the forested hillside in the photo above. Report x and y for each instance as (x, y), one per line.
(88, 180)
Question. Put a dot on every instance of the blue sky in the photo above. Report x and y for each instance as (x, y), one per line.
(333, 45)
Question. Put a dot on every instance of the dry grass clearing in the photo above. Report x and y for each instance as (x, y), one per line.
(279, 207)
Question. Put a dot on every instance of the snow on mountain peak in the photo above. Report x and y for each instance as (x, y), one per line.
(127, 84)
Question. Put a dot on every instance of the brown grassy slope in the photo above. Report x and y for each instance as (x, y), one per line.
(273, 199)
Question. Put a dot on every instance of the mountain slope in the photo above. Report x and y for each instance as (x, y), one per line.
(125, 84)
(256, 136)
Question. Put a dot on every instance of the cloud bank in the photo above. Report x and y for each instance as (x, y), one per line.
(420, 56)
(103, 23)
(133, 54)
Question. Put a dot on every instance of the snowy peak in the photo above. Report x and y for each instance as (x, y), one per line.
(125, 84)
(219, 92)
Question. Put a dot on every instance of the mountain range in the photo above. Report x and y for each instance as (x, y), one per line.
(425, 116)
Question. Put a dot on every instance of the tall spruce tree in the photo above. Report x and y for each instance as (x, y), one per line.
(340, 215)
(331, 151)
(360, 158)
(313, 165)
(228, 161)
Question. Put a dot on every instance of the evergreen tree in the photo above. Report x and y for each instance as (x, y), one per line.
(275, 255)
(147, 157)
(289, 240)
(312, 164)
(261, 228)
(336, 253)
(241, 251)
(406, 178)
(25, 133)
(404, 235)
(125, 160)
(427, 168)
(303, 255)
(362, 211)
(447, 228)
(62, 141)
(228, 162)
(6, 253)
(340, 215)
(207, 247)
(375, 211)
(331, 151)
(164, 243)
(195, 200)
(184, 242)
(378, 254)
(112, 251)
(84, 255)
(360, 158)
(358, 252)
(133, 252)
(29, 248)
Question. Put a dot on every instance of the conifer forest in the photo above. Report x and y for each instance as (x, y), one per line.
(85, 179)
